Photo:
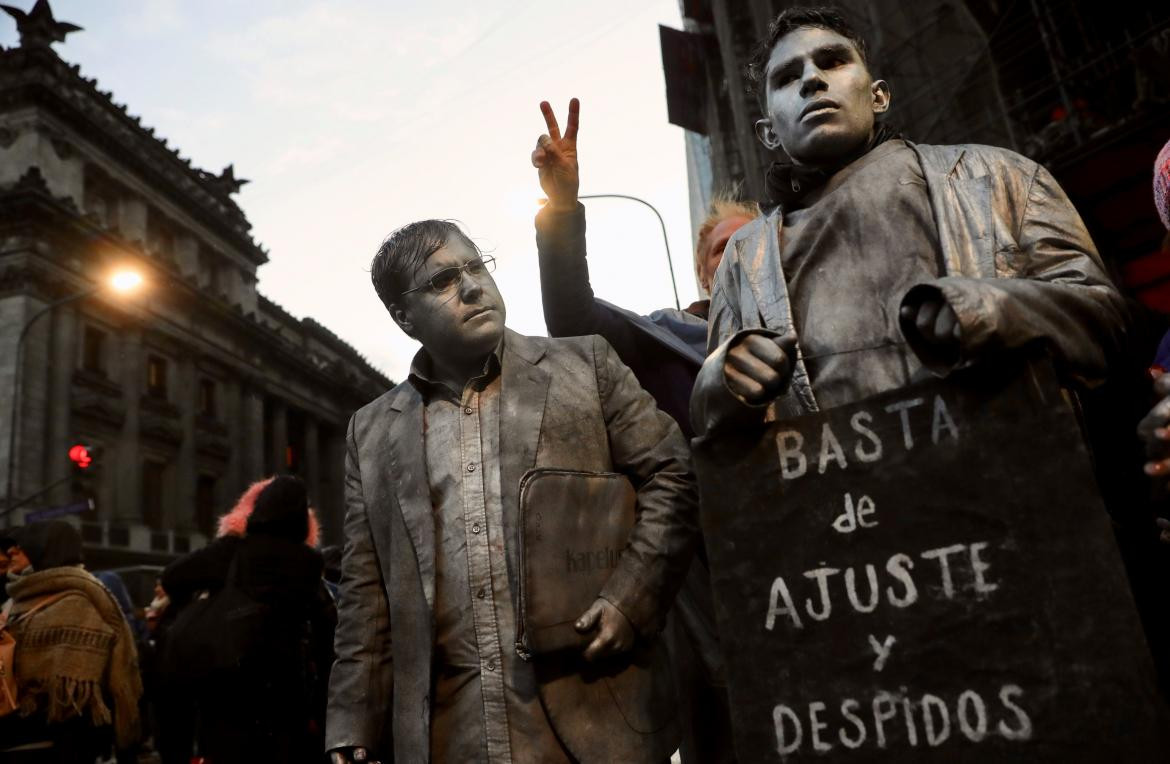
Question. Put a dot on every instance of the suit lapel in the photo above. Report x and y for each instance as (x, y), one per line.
(408, 473)
(523, 393)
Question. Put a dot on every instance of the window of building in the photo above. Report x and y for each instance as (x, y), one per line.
(94, 350)
(207, 398)
(205, 505)
(156, 376)
(153, 473)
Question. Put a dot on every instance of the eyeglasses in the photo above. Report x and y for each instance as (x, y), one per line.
(445, 280)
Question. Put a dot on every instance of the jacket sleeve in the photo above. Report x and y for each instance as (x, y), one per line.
(647, 446)
(713, 405)
(361, 684)
(570, 309)
(1057, 295)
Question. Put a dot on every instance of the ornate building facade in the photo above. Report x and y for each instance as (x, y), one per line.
(187, 391)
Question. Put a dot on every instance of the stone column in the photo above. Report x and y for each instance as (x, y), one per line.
(60, 435)
(35, 404)
(278, 460)
(252, 442)
(334, 448)
(179, 512)
(232, 415)
(312, 473)
(128, 485)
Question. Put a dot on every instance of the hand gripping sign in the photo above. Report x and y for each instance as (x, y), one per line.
(926, 575)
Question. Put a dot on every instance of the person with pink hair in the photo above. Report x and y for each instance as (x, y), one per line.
(270, 705)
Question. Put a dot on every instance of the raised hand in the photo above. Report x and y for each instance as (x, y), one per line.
(555, 157)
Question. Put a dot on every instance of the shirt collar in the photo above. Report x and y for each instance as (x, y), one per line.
(423, 378)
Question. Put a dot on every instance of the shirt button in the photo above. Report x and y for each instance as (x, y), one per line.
(468, 410)
(492, 665)
(475, 527)
(471, 467)
(481, 593)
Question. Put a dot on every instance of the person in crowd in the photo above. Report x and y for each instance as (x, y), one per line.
(112, 581)
(664, 350)
(18, 565)
(269, 706)
(5, 543)
(76, 667)
(1155, 428)
(426, 666)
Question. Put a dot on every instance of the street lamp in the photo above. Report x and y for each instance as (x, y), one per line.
(121, 281)
(665, 240)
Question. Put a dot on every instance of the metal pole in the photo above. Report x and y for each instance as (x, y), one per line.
(13, 419)
(665, 240)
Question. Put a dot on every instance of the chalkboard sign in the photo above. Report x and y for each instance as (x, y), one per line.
(926, 575)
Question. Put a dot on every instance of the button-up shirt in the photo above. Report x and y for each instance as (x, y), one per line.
(485, 701)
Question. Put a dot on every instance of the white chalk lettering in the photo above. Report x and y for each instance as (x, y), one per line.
(848, 707)
(903, 409)
(884, 709)
(816, 726)
(927, 719)
(908, 714)
(821, 576)
(942, 420)
(830, 450)
(979, 567)
(851, 589)
(882, 650)
(1024, 730)
(899, 567)
(935, 735)
(775, 608)
(875, 451)
(977, 731)
(942, 554)
(854, 517)
(792, 461)
(780, 715)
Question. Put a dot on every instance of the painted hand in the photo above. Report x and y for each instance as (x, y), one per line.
(356, 755)
(555, 157)
(615, 633)
(935, 323)
(758, 368)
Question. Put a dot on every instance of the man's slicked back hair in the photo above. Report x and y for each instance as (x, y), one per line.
(405, 250)
(791, 19)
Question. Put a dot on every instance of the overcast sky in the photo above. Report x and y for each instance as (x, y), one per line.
(353, 118)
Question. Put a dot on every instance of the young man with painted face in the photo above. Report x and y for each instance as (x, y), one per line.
(427, 666)
(885, 260)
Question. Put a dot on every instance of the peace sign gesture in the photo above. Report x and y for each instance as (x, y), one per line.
(556, 158)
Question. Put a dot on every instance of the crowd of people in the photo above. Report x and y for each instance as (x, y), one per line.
(875, 263)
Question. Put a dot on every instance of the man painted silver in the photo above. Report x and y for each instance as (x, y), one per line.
(427, 667)
(885, 260)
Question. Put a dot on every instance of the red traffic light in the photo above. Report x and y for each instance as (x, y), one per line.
(80, 455)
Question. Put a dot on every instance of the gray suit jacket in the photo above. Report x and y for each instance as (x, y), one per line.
(565, 403)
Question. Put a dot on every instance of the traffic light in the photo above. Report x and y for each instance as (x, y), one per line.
(82, 456)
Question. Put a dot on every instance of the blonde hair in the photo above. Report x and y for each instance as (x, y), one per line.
(724, 205)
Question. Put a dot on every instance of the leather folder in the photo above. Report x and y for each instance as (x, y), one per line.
(574, 527)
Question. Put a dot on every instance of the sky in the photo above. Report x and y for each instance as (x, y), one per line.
(352, 118)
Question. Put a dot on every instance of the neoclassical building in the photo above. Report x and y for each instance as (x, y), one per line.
(190, 388)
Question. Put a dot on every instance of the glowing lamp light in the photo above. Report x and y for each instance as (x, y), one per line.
(80, 456)
(126, 281)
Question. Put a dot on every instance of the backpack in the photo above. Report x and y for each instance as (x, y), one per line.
(9, 697)
(217, 634)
